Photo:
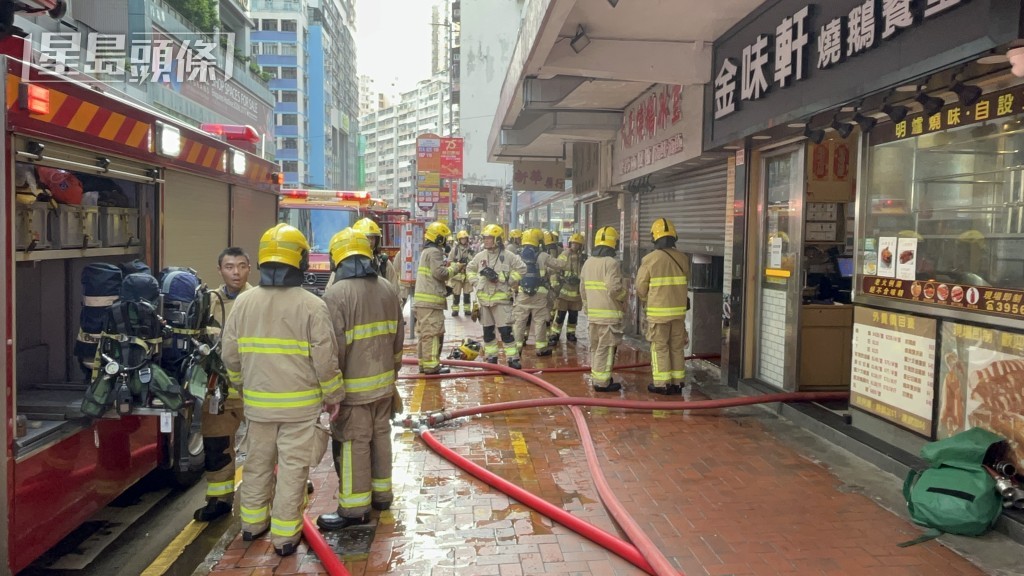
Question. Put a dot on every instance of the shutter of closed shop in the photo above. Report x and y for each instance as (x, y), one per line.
(695, 203)
(196, 222)
(605, 213)
(252, 214)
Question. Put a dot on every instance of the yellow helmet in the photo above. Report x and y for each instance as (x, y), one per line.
(462, 234)
(437, 232)
(661, 228)
(367, 226)
(577, 238)
(468, 349)
(347, 243)
(515, 233)
(606, 236)
(284, 244)
(550, 238)
(494, 231)
(532, 237)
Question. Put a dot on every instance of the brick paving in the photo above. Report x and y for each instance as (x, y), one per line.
(716, 491)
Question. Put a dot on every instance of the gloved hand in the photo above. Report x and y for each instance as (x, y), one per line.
(475, 314)
(397, 407)
(333, 410)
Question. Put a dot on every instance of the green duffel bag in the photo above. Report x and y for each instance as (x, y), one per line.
(953, 498)
(165, 389)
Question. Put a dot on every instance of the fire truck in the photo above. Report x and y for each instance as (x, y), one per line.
(321, 214)
(178, 197)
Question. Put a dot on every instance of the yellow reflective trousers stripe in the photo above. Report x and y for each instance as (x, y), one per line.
(381, 484)
(286, 528)
(220, 488)
(254, 515)
(346, 498)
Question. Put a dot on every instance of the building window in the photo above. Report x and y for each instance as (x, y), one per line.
(289, 49)
(290, 166)
(269, 25)
(289, 96)
(289, 119)
(289, 73)
(288, 26)
(290, 144)
(270, 48)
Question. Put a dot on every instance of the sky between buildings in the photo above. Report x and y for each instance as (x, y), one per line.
(393, 42)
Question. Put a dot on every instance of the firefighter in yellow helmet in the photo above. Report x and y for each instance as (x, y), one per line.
(532, 305)
(494, 271)
(461, 289)
(568, 304)
(430, 298)
(370, 330)
(661, 284)
(279, 346)
(219, 429)
(604, 302)
(383, 265)
(553, 247)
(515, 241)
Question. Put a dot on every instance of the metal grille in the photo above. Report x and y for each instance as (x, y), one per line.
(695, 203)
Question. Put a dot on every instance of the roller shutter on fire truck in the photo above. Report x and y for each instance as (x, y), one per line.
(252, 213)
(196, 223)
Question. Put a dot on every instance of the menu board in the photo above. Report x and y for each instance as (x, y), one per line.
(999, 301)
(894, 367)
(887, 257)
(981, 383)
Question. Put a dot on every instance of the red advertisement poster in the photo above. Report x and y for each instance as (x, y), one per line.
(451, 158)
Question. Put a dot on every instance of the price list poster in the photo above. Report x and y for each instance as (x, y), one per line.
(893, 367)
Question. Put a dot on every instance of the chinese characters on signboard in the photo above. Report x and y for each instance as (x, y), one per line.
(451, 158)
(428, 170)
(656, 129)
(865, 26)
(538, 175)
(990, 106)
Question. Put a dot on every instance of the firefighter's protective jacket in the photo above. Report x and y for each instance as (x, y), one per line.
(547, 266)
(370, 330)
(661, 285)
(569, 279)
(431, 277)
(221, 296)
(280, 340)
(603, 291)
(509, 268)
(459, 253)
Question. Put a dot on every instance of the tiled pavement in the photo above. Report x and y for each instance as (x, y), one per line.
(719, 492)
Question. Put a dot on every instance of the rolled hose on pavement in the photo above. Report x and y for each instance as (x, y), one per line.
(654, 557)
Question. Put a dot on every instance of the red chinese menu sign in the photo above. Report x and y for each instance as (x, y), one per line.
(451, 158)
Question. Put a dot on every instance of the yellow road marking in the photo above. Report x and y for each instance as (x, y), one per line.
(417, 396)
(519, 447)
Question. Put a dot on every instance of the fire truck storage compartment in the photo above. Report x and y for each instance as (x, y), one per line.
(252, 214)
(49, 381)
(196, 216)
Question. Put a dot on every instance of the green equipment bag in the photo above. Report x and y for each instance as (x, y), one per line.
(166, 389)
(956, 495)
(98, 397)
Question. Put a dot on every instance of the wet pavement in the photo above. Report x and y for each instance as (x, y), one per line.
(733, 491)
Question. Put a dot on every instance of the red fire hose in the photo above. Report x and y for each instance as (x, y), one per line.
(316, 541)
(560, 369)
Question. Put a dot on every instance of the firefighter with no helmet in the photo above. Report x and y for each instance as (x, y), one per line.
(431, 297)
(604, 301)
(219, 429)
(568, 304)
(494, 272)
(279, 346)
(532, 306)
(461, 289)
(661, 285)
(370, 330)
(515, 241)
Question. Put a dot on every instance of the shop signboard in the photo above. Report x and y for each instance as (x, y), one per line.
(981, 383)
(837, 50)
(412, 244)
(538, 175)
(991, 106)
(893, 367)
(428, 170)
(659, 129)
(997, 301)
(451, 158)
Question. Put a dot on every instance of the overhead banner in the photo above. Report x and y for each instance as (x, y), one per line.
(538, 175)
(451, 158)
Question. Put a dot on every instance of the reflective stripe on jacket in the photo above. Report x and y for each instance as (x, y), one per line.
(219, 313)
(368, 324)
(430, 280)
(661, 283)
(510, 268)
(603, 291)
(280, 342)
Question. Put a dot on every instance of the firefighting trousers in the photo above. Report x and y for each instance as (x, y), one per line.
(604, 339)
(668, 352)
(500, 316)
(534, 319)
(460, 295)
(219, 432)
(362, 456)
(560, 316)
(289, 446)
(430, 336)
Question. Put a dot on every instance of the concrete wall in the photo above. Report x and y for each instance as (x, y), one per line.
(489, 32)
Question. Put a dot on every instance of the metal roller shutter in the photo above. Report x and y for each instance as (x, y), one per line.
(196, 222)
(605, 213)
(252, 214)
(695, 203)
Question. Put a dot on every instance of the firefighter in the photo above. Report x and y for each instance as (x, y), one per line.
(604, 301)
(462, 254)
(430, 297)
(568, 303)
(219, 429)
(280, 348)
(515, 241)
(370, 330)
(532, 305)
(661, 286)
(494, 271)
(383, 265)
(552, 247)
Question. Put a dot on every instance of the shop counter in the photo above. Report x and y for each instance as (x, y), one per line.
(826, 331)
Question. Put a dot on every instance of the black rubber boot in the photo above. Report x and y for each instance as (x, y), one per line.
(381, 506)
(250, 536)
(610, 386)
(545, 351)
(441, 370)
(215, 508)
(309, 487)
(570, 337)
(492, 359)
(336, 521)
(286, 550)
(515, 363)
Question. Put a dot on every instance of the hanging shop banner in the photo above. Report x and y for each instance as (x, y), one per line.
(981, 379)
(893, 366)
(990, 107)
(660, 128)
(451, 158)
(538, 175)
(833, 51)
(998, 301)
(412, 245)
(428, 170)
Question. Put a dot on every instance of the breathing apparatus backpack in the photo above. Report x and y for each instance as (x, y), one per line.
(532, 281)
(186, 306)
(101, 287)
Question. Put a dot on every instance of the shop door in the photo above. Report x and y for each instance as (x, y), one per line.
(779, 289)
(603, 213)
(252, 214)
(196, 223)
(695, 203)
